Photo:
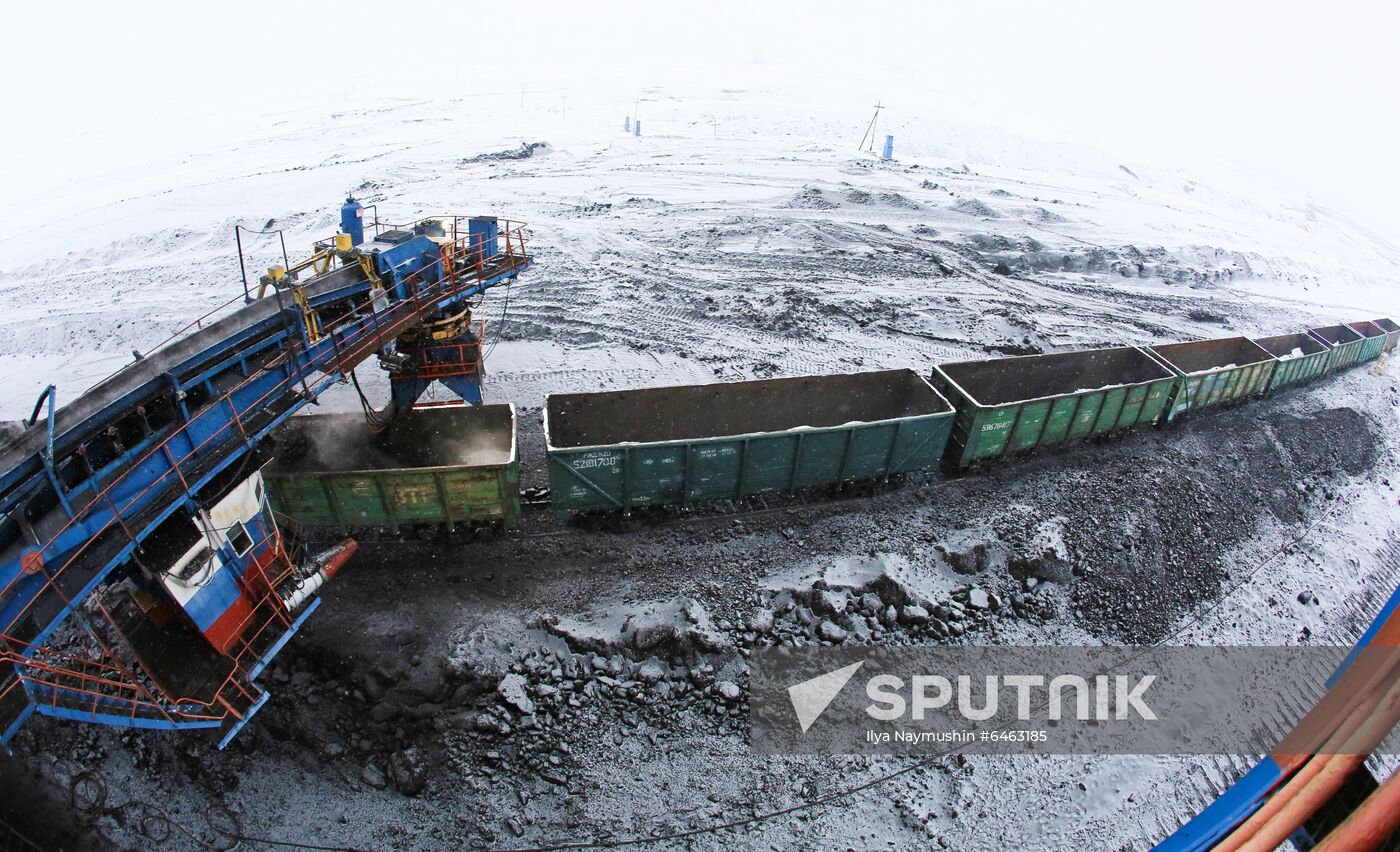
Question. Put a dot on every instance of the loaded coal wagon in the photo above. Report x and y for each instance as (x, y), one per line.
(1301, 358)
(1008, 406)
(435, 467)
(1214, 372)
(1344, 342)
(1373, 339)
(619, 450)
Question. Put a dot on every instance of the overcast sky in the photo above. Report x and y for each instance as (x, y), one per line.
(1303, 91)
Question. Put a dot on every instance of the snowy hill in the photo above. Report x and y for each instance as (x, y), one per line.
(741, 234)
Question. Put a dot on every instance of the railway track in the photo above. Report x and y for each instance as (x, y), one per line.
(538, 522)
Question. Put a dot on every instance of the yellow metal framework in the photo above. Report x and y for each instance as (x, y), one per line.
(438, 331)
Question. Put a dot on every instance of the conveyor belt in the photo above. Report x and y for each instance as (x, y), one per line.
(223, 387)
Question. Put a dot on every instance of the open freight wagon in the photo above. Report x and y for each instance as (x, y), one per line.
(1214, 372)
(674, 445)
(1008, 406)
(1373, 339)
(437, 467)
(1344, 342)
(1301, 358)
(1392, 333)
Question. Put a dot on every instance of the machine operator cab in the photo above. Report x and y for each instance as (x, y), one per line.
(233, 558)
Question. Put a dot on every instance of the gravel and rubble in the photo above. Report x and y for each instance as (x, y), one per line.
(591, 682)
(588, 681)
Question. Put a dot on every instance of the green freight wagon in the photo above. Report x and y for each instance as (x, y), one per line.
(440, 467)
(1373, 339)
(1012, 405)
(1392, 333)
(1214, 372)
(618, 450)
(1345, 343)
(1300, 358)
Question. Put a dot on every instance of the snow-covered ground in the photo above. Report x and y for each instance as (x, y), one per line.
(742, 234)
(133, 237)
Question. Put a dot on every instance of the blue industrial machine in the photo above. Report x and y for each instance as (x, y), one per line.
(352, 220)
(144, 581)
(448, 348)
(484, 233)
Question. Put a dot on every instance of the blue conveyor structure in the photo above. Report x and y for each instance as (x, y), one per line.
(88, 494)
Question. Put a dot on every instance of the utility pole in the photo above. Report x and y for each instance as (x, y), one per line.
(870, 130)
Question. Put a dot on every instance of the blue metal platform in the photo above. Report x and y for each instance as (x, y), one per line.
(84, 489)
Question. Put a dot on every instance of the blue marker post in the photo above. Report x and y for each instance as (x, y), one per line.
(637, 130)
(889, 148)
(627, 124)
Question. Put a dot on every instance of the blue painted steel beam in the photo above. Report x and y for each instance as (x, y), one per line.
(119, 720)
(1246, 795)
(1391, 605)
(247, 717)
(218, 367)
(154, 486)
(1233, 807)
(8, 734)
(283, 640)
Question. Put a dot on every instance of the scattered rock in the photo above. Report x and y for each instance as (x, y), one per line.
(651, 671)
(762, 621)
(373, 777)
(408, 771)
(914, 614)
(832, 602)
(525, 151)
(512, 692)
(973, 207)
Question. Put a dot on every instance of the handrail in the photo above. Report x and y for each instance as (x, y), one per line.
(365, 337)
(415, 299)
(198, 322)
(179, 706)
(432, 370)
(76, 672)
